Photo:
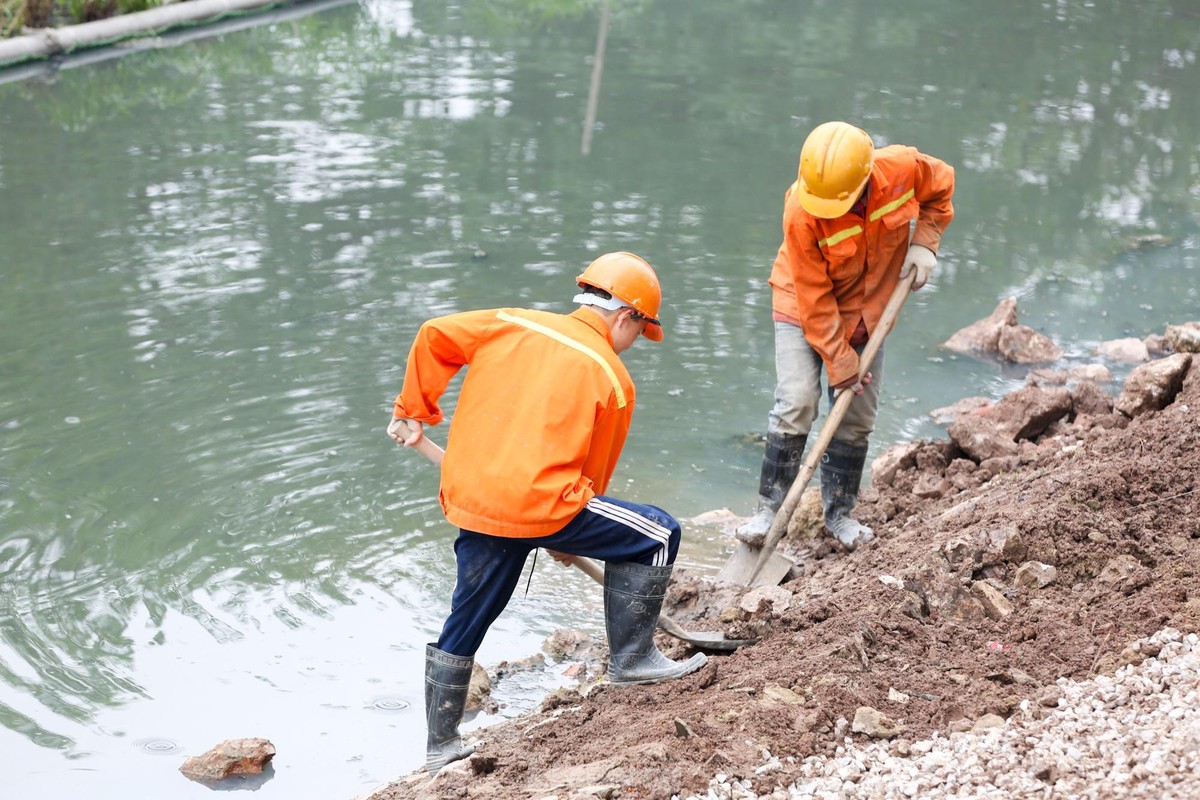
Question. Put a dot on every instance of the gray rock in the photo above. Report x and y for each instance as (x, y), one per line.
(1125, 351)
(968, 405)
(875, 723)
(988, 722)
(983, 337)
(1183, 338)
(981, 439)
(890, 461)
(1080, 373)
(994, 603)
(1021, 344)
(1036, 575)
(1153, 386)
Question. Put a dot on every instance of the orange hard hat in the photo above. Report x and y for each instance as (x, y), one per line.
(835, 164)
(632, 281)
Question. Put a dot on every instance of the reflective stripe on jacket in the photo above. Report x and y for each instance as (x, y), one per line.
(542, 416)
(830, 273)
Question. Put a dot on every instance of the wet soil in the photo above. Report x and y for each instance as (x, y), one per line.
(952, 612)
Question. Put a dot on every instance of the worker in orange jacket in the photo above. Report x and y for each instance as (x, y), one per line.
(540, 422)
(856, 221)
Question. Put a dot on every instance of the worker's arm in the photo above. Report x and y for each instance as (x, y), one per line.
(606, 443)
(819, 314)
(933, 188)
(442, 347)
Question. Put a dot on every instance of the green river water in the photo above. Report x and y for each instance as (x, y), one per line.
(214, 255)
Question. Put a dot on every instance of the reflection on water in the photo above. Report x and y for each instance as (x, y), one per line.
(215, 256)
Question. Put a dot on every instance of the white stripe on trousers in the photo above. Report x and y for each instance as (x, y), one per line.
(637, 522)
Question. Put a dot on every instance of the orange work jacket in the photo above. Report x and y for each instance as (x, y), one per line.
(540, 421)
(831, 273)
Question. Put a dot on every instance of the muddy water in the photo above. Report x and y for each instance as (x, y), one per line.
(214, 256)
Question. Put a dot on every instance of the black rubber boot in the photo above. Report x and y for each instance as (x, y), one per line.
(447, 679)
(780, 466)
(633, 598)
(841, 473)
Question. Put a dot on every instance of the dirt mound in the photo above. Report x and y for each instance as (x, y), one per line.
(988, 580)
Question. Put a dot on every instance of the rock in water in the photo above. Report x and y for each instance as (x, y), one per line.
(229, 758)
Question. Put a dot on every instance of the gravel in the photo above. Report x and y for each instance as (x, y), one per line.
(1130, 735)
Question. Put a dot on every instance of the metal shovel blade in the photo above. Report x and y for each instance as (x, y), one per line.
(704, 640)
(741, 564)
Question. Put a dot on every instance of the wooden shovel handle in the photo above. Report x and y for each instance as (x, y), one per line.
(430, 449)
(841, 404)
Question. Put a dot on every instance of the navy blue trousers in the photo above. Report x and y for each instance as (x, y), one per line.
(489, 567)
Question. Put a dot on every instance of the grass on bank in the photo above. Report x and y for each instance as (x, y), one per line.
(17, 15)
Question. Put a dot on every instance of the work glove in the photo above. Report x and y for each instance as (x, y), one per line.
(921, 259)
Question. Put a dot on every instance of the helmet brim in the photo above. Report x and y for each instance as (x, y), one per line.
(823, 207)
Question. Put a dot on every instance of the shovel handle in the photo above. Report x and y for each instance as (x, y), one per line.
(430, 449)
(840, 406)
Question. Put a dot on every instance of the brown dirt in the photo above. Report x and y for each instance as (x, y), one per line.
(1116, 511)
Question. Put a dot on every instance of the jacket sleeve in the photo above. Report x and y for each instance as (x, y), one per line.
(443, 346)
(933, 186)
(819, 315)
(608, 439)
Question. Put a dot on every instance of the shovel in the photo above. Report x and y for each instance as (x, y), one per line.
(703, 640)
(749, 568)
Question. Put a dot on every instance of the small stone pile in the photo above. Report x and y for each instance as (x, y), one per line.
(1135, 734)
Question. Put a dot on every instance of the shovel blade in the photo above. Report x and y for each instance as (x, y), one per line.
(739, 566)
(704, 640)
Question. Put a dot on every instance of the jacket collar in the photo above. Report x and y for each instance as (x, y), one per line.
(594, 321)
(880, 184)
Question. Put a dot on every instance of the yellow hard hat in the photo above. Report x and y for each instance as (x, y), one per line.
(632, 281)
(835, 164)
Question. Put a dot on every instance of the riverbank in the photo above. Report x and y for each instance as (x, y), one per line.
(54, 42)
(1002, 598)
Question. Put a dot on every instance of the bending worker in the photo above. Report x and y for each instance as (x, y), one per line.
(846, 245)
(539, 426)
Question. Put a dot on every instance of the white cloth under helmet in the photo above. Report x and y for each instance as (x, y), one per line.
(608, 304)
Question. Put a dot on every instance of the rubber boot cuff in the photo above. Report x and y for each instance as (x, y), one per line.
(782, 457)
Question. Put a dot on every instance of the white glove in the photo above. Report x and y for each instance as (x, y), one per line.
(921, 259)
